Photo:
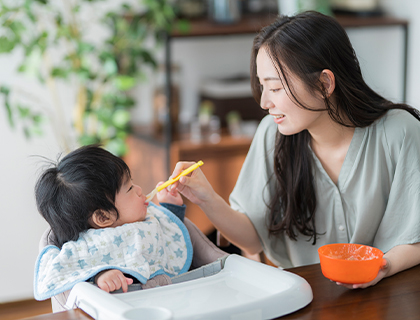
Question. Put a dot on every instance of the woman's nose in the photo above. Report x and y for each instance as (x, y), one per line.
(265, 102)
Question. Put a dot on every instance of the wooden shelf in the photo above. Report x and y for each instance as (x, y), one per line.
(250, 24)
(227, 142)
(247, 25)
(350, 21)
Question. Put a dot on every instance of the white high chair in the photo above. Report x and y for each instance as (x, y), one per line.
(205, 252)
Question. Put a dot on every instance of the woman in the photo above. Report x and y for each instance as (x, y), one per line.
(333, 162)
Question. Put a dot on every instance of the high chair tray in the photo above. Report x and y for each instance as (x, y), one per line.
(243, 289)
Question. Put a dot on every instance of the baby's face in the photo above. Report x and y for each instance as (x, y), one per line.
(130, 203)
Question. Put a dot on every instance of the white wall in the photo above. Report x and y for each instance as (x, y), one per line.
(378, 49)
(20, 164)
(20, 226)
(409, 9)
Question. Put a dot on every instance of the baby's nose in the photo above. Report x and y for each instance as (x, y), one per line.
(139, 191)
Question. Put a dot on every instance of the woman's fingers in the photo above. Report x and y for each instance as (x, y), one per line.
(181, 166)
(386, 264)
(381, 274)
(194, 186)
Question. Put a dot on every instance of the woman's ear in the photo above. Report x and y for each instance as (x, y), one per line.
(102, 219)
(327, 79)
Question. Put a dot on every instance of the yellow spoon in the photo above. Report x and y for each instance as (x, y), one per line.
(151, 195)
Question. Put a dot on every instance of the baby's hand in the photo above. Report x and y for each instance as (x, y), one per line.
(172, 197)
(111, 280)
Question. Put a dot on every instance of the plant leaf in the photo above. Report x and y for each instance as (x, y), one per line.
(7, 45)
(121, 118)
(125, 83)
(117, 147)
(88, 139)
(6, 91)
(110, 66)
(59, 73)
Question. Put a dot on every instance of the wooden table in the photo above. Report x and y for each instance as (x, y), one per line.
(397, 297)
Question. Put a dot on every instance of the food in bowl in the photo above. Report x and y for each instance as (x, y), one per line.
(349, 262)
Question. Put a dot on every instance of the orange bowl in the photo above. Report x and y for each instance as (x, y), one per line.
(350, 263)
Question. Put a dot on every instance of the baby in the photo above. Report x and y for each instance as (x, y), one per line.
(103, 228)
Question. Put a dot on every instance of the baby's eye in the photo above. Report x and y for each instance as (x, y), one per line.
(130, 188)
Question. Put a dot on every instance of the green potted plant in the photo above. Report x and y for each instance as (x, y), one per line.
(52, 35)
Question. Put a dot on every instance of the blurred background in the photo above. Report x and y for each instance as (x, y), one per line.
(155, 82)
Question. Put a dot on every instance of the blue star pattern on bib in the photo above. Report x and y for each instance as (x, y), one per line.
(107, 258)
(131, 249)
(159, 245)
(92, 249)
(57, 266)
(68, 253)
(118, 240)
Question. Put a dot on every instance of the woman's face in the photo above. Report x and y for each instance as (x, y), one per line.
(290, 117)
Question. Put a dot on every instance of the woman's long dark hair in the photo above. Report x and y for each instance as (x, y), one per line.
(68, 193)
(304, 45)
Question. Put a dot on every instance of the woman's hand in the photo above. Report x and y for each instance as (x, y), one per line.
(111, 280)
(194, 186)
(383, 272)
(399, 258)
(169, 196)
(234, 225)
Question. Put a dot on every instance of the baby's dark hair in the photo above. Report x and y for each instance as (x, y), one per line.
(85, 180)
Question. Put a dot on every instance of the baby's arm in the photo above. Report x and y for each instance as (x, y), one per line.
(111, 280)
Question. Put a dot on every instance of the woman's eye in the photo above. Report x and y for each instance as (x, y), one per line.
(275, 90)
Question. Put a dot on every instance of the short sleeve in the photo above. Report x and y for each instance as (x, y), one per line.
(256, 171)
(401, 220)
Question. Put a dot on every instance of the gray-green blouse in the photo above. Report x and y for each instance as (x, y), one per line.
(375, 202)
